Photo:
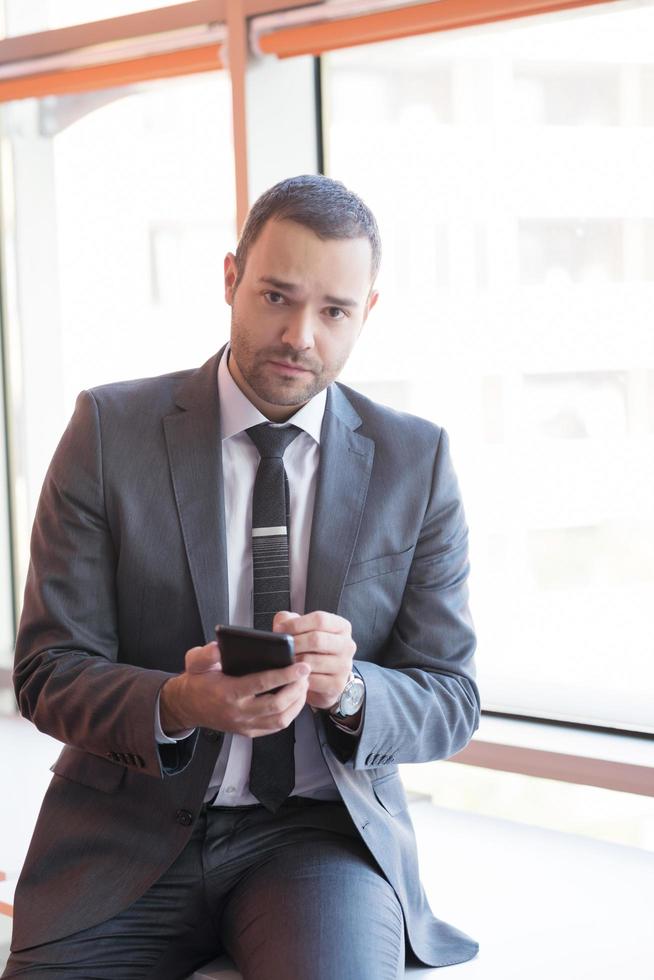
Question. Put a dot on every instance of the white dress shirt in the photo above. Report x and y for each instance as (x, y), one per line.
(240, 461)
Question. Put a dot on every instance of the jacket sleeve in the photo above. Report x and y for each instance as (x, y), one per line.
(422, 702)
(68, 677)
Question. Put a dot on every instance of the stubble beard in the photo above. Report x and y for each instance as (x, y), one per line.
(268, 386)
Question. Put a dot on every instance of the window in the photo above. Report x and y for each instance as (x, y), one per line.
(516, 214)
(581, 95)
(123, 208)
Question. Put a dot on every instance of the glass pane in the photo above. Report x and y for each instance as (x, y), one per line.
(120, 213)
(22, 17)
(510, 167)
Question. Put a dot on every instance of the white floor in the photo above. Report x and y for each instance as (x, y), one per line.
(543, 905)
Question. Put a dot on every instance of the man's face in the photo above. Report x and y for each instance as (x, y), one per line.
(297, 312)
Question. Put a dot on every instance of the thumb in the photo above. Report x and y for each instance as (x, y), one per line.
(200, 659)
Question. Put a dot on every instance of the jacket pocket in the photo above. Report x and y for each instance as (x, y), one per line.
(373, 567)
(390, 793)
(89, 770)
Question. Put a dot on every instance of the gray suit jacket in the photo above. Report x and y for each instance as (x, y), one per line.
(129, 571)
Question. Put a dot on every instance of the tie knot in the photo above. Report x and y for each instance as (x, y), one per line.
(272, 440)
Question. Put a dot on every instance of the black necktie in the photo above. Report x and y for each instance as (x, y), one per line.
(272, 772)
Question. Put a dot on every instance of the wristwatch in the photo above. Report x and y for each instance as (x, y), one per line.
(351, 698)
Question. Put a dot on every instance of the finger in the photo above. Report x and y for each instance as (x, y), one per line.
(281, 619)
(332, 644)
(200, 659)
(281, 719)
(326, 663)
(321, 701)
(284, 719)
(320, 620)
(273, 712)
(270, 705)
(266, 680)
(327, 687)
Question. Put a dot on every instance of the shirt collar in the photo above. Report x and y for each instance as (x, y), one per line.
(237, 412)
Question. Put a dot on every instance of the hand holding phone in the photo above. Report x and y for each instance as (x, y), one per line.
(249, 651)
(228, 698)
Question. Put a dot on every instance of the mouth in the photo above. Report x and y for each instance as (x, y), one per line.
(285, 368)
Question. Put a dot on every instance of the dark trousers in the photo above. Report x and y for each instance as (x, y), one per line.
(289, 896)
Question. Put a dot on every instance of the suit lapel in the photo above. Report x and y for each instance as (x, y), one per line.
(343, 476)
(193, 441)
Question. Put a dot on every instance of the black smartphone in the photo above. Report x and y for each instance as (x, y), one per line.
(248, 651)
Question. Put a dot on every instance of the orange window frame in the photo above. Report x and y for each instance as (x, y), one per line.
(128, 72)
(386, 25)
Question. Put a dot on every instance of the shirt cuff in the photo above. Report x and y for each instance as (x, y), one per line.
(160, 735)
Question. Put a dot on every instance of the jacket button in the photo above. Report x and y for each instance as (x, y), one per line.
(210, 735)
(184, 817)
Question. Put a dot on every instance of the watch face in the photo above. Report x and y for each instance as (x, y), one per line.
(351, 699)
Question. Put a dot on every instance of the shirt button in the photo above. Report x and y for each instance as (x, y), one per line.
(231, 789)
(184, 817)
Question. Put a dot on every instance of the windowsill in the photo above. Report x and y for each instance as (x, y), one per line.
(606, 759)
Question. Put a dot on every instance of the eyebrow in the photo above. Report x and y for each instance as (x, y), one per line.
(290, 287)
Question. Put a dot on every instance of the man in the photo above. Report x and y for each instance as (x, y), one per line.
(170, 831)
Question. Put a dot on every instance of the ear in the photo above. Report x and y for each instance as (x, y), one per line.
(372, 299)
(231, 275)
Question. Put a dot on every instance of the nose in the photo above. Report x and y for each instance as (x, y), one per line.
(299, 329)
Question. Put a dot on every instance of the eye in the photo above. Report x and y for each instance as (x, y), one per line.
(275, 299)
(335, 313)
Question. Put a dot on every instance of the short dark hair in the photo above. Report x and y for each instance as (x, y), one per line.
(320, 203)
